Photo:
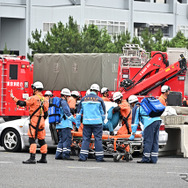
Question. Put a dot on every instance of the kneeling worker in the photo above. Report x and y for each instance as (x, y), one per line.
(38, 113)
(105, 94)
(165, 90)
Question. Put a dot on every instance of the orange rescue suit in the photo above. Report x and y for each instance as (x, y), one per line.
(163, 99)
(72, 102)
(105, 99)
(125, 110)
(34, 102)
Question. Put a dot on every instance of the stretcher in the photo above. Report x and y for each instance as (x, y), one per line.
(119, 146)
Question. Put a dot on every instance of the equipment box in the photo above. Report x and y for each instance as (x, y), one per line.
(174, 99)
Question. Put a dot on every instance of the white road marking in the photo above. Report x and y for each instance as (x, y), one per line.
(5, 162)
(83, 167)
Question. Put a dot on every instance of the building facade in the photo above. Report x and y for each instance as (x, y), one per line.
(18, 18)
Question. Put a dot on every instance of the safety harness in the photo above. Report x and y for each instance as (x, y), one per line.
(125, 120)
(41, 107)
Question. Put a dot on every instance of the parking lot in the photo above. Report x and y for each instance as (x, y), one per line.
(171, 171)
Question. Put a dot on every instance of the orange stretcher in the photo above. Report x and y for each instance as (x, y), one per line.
(119, 146)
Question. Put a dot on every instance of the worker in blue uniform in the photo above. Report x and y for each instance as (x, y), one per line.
(64, 128)
(92, 108)
(150, 135)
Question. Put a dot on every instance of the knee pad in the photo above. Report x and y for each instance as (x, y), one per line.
(41, 142)
(31, 141)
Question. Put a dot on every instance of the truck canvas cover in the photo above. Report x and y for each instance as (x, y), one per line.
(76, 71)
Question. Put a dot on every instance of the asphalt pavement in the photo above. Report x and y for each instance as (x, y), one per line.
(170, 171)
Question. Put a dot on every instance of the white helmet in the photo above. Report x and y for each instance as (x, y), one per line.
(117, 95)
(48, 93)
(95, 87)
(37, 85)
(88, 92)
(104, 90)
(66, 92)
(165, 88)
(132, 98)
(75, 93)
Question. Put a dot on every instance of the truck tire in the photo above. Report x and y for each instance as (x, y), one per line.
(11, 140)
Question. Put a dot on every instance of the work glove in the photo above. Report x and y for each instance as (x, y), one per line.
(77, 124)
(134, 128)
(142, 133)
(131, 137)
(116, 109)
(71, 118)
(11, 94)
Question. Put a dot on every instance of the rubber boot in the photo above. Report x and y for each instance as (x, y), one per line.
(43, 159)
(31, 160)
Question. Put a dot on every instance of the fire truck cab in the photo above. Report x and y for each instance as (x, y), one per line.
(16, 75)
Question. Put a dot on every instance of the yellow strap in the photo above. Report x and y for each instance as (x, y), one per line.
(42, 100)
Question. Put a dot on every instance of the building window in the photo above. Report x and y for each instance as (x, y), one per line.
(47, 26)
(153, 28)
(113, 27)
(184, 30)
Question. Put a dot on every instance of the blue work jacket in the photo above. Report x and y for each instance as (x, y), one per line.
(66, 117)
(92, 108)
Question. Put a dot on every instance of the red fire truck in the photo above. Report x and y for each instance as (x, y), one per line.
(16, 74)
(139, 76)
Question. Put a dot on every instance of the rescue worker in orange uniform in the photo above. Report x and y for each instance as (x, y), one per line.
(38, 111)
(185, 102)
(72, 100)
(125, 111)
(165, 90)
(48, 94)
(105, 94)
(126, 115)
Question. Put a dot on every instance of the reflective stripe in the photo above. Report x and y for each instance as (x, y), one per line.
(66, 149)
(92, 119)
(99, 153)
(91, 102)
(147, 154)
(154, 154)
(84, 151)
(59, 150)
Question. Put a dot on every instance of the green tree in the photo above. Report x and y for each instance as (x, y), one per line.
(136, 40)
(96, 41)
(179, 41)
(159, 44)
(5, 50)
(37, 44)
(120, 41)
(147, 40)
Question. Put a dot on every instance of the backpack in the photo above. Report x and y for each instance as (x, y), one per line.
(152, 106)
(54, 110)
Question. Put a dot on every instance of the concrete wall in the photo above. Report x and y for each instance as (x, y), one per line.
(15, 30)
(33, 13)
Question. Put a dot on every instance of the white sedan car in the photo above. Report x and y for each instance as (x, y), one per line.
(13, 134)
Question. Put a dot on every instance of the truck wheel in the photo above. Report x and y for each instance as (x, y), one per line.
(11, 140)
(117, 157)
